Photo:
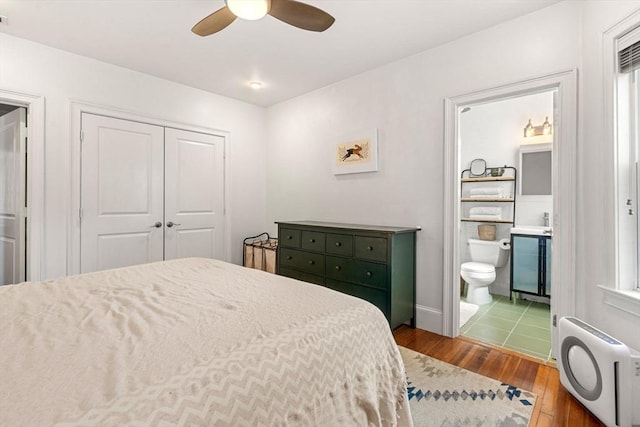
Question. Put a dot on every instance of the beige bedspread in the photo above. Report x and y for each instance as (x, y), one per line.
(194, 342)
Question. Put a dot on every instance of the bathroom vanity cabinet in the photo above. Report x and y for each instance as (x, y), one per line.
(374, 263)
(531, 264)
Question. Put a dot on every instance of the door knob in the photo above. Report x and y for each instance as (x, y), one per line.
(171, 224)
(156, 225)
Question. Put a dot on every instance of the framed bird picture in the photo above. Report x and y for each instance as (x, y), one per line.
(356, 153)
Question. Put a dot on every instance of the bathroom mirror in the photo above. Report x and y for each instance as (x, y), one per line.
(535, 170)
(478, 167)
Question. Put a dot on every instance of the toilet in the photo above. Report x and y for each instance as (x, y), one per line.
(486, 255)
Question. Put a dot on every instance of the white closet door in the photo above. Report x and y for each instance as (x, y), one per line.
(121, 193)
(194, 194)
(12, 197)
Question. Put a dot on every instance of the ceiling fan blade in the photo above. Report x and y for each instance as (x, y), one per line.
(215, 22)
(301, 15)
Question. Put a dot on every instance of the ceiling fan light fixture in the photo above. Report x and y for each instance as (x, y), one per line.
(251, 10)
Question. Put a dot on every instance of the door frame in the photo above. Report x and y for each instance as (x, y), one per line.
(564, 191)
(79, 107)
(35, 106)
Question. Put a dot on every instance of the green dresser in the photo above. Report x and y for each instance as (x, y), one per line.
(377, 264)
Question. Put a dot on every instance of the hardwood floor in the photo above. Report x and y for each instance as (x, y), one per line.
(554, 405)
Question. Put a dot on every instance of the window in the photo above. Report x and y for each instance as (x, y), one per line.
(627, 94)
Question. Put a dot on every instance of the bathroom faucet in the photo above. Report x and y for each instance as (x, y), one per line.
(546, 219)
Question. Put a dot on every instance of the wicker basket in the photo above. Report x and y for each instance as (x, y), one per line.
(487, 232)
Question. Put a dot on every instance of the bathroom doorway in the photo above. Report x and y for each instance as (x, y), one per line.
(501, 133)
(494, 130)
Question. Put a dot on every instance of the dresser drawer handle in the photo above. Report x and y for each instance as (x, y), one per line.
(289, 257)
(312, 240)
(369, 248)
(338, 244)
(337, 267)
(289, 237)
(311, 262)
(369, 274)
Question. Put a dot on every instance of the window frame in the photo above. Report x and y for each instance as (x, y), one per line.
(622, 294)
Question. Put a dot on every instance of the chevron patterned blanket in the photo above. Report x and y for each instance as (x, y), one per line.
(195, 342)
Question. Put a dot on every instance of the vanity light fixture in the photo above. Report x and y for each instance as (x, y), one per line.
(251, 10)
(544, 129)
(255, 84)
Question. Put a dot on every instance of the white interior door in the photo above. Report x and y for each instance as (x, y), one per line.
(121, 193)
(194, 194)
(12, 196)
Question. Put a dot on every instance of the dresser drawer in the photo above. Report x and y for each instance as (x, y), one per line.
(289, 237)
(372, 248)
(300, 260)
(312, 240)
(340, 244)
(362, 272)
(301, 275)
(374, 296)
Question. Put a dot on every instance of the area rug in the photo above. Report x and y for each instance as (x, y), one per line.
(441, 394)
(467, 310)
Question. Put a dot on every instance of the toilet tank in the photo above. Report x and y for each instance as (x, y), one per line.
(494, 252)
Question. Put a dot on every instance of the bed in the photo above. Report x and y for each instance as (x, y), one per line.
(194, 342)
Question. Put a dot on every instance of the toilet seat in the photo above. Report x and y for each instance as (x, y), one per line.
(477, 267)
(479, 276)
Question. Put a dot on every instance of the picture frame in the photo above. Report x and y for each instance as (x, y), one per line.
(356, 153)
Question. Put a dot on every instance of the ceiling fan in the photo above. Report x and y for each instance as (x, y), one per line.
(292, 12)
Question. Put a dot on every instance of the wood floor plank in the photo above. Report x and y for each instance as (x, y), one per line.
(550, 398)
(540, 383)
(492, 365)
(526, 374)
(563, 409)
(554, 405)
(543, 420)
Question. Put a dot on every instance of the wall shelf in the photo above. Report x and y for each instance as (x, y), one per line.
(489, 178)
(486, 199)
(497, 181)
(498, 221)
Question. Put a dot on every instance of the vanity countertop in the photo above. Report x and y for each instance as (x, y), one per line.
(533, 230)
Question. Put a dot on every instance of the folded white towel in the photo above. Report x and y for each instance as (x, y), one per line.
(487, 196)
(485, 210)
(487, 191)
(479, 216)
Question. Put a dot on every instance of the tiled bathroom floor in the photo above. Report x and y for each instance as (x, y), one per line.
(522, 326)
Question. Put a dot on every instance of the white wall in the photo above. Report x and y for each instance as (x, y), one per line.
(62, 77)
(404, 100)
(494, 131)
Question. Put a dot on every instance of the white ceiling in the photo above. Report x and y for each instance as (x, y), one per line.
(154, 37)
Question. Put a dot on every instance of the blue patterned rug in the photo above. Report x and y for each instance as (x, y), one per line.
(441, 394)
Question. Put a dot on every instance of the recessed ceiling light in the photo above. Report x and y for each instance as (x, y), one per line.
(255, 85)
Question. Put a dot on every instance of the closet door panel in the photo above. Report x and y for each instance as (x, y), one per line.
(122, 174)
(12, 197)
(194, 194)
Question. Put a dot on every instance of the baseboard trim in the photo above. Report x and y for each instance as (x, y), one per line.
(429, 319)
